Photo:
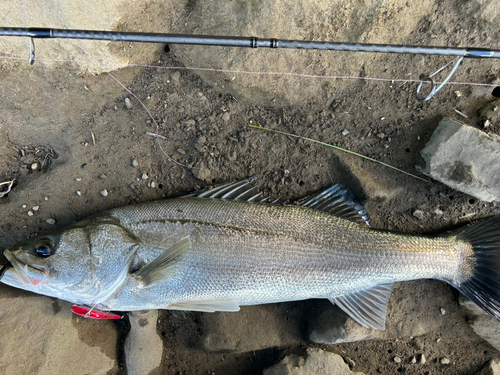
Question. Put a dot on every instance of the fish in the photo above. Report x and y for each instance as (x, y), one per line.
(230, 246)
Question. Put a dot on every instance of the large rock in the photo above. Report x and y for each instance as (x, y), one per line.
(483, 324)
(41, 336)
(316, 362)
(143, 345)
(465, 159)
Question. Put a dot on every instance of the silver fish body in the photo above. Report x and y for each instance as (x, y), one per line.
(216, 255)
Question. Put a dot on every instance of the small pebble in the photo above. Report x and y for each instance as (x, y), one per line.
(226, 117)
(51, 221)
(36, 208)
(78, 179)
(102, 176)
(46, 198)
(458, 94)
(422, 359)
(30, 213)
(381, 135)
(487, 124)
(79, 193)
(345, 132)
(24, 206)
(34, 166)
(418, 214)
(438, 340)
(104, 193)
(153, 184)
(135, 164)
(437, 211)
(128, 103)
(443, 311)
(144, 176)
(413, 360)
(445, 361)
(397, 359)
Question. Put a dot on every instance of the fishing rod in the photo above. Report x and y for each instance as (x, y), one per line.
(253, 42)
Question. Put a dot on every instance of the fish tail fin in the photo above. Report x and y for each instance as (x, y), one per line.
(482, 265)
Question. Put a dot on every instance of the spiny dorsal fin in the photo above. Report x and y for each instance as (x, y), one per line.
(206, 306)
(160, 268)
(339, 201)
(238, 191)
(367, 307)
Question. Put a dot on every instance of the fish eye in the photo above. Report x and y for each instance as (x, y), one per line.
(44, 248)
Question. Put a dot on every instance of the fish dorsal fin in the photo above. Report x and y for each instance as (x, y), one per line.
(238, 191)
(339, 201)
(163, 266)
(206, 306)
(367, 307)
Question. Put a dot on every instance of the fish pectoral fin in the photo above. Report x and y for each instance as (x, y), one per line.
(367, 307)
(163, 266)
(206, 306)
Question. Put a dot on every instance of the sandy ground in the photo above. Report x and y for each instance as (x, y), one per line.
(83, 137)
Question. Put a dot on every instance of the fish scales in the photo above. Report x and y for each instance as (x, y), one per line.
(267, 253)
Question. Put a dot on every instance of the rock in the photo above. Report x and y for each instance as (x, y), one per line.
(128, 103)
(483, 324)
(34, 166)
(491, 368)
(40, 336)
(254, 328)
(409, 313)
(143, 345)
(104, 192)
(345, 132)
(422, 359)
(445, 361)
(418, 214)
(226, 117)
(201, 171)
(397, 359)
(51, 221)
(144, 176)
(465, 159)
(317, 362)
(135, 163)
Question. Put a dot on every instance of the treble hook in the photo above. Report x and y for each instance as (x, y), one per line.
(32, 52)
(429, 79)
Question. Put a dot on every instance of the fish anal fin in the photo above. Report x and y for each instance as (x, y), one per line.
(163, 266)
(367, 307)
(205, 306)
(339, 201)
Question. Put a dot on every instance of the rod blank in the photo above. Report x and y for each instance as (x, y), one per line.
(248, 42)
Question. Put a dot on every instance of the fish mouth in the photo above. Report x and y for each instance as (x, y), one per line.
(27, 273)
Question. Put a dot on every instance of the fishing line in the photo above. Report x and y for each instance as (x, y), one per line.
(277, 73)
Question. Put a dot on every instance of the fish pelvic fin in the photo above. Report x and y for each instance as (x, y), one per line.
(479, 275)
(164, 265)
(367, 307)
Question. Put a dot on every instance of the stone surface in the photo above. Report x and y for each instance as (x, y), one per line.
(316, 362)
(41, 336)
(465, 159)
(491, 368)
(143, 345)
(482, 323)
